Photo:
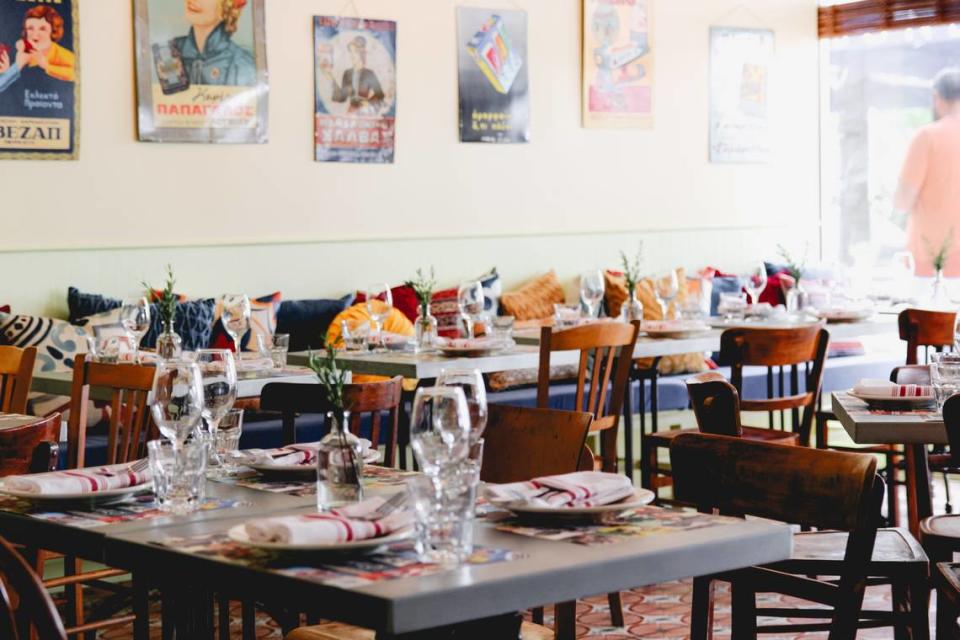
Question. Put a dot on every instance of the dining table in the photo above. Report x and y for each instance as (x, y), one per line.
(915, 428)
(515, 565)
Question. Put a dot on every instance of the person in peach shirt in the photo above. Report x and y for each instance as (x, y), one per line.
(43, 28)
(929, 190)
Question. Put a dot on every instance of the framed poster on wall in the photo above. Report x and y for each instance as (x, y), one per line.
(618, 63)
(201, 71)
(492, 60)
(39, 80)
(355, 90)
(740, 62)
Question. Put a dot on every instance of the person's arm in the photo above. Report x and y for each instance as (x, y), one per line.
(340, 91)
(914, 173)
(374, 87)
(9, 73)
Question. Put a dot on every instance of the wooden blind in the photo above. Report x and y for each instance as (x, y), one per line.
(877, 15)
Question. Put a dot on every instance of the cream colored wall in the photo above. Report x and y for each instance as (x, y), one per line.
(569, 199)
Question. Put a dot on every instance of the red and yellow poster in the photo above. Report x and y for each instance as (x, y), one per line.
(39, 80)
(618, 63)
(201, 71)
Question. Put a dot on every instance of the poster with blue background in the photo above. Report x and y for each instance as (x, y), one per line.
(39, 79)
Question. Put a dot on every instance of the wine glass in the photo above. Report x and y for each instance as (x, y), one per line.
(591, 291)
(177, 399)
(471, 302)
(439, 428)
(379, 292)
(135, 318)
(755, 281)
(471, 381)
(666, 288)
(218, 371)
(235, 315)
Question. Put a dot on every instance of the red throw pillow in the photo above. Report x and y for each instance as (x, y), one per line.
(773, 294)
(446, 309)
(5, 309)
(404, 301)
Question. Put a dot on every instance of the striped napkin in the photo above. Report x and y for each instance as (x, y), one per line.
(90, 480)
(885, 388)
(580, 489)
(348, 524)
(294, 454)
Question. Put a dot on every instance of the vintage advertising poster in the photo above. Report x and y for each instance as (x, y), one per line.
(618, 63)
(201, 71)
(355, 62)
(39, 80)
(740, 62)
(494, 93)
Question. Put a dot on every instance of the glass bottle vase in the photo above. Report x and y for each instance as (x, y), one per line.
(632, 309)
(426, 330)
(339, 465)
(169, 344)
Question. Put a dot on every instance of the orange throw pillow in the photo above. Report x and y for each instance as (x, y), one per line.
(534, 300)
(396, 322)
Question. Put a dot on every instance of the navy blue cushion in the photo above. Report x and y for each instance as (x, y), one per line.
(81, 305)
(307, 321)
(723, 284)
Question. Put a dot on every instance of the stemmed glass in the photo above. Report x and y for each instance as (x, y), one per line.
(666, 288)
(471, 302)
(218, 370)
(379, 292)
(439, 428)
(235, 315)
(177, 399)
(755, 281)
(135, 318)
(591, 291)
(471, 382)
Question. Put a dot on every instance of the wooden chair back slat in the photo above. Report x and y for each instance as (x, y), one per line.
(129, 425)
(374, 398)
(32, 448)
(16, 376)
(34, 614)
(522, 443)
(809, 487)
(716, 404)
(925, 328)
(606, 354)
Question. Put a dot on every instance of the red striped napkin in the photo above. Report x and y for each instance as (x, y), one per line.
(89, 480)
(580, 489)
(348, 524)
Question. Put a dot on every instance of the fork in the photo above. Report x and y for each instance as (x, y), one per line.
(396, 501)
(139, 465)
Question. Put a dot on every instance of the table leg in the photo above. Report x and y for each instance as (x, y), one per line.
(141, 608)
(919, 500)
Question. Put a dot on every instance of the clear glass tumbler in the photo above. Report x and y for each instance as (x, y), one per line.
(179, 474)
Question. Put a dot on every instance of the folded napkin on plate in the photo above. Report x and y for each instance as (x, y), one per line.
(88, 480)
(340, 525)
(581, 489)
(887, 388)
(302, 454)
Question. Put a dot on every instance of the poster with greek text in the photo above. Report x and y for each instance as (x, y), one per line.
(492, 59)
(201, 71)
(355, 61)
(39, 80)
(618, 64)
(740, 62)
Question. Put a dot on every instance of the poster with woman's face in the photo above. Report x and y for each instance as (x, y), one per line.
(201, 71)
(356, 89)
(39, 93)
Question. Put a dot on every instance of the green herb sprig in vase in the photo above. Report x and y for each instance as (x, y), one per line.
(793, 293)
(939, 258)
(632, 309)
(169, 344)
(425, 326)
(340, 453)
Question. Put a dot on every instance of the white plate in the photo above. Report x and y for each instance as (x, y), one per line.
(888, 400)
(639, 498)
(842, 316)
(239, 534)
(678, 334)
(370, 457)
(108, 495)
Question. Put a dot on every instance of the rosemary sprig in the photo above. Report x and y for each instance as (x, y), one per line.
(166, 300)
(333, 379)
(423, 287)
(631, 269)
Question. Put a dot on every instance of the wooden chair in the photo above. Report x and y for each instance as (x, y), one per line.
(837, 493)
(788, 350)
(946, 579)
(371, 398)
(940, 534)
(923, 328)
(16, 376)
(26, 609)
(599, 345)
(32, 448)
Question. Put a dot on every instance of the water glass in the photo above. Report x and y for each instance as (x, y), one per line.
(439, 428)
(107, 349)
(732, 306)
(235, 314)
(354, 335)
(445, 513)
(566, 315)
(503, 330)
(666, 287)
(177, 399)
(475, 391)
(379, 305)
(179, 474)
(945, 376)
(135, 318)
(279, 347)
(227, 440)
(472, 304)
(755, 281)
(592, 288)
(218, 371)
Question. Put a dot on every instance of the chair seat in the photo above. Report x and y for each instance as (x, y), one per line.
(340, 631)
(664, 438)
(895, 549)
(946, 528)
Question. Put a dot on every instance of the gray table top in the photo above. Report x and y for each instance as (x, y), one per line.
(867, 426)
(422, 366)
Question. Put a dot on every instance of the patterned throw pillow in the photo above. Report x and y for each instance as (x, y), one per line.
(57, 341)
(534, 300)
(446, 309)
(263, 322)
(81, 305)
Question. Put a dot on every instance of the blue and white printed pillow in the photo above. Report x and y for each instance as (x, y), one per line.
(57, 341)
